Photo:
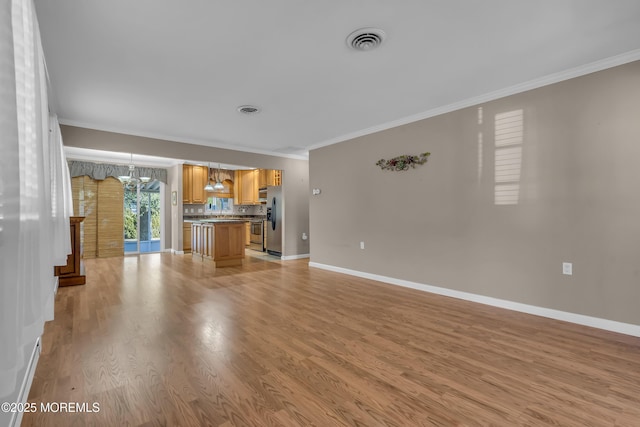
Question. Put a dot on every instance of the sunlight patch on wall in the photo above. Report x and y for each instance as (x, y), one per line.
(509, 135)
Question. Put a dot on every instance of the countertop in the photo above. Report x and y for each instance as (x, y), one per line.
(217, 220)
(223, 219)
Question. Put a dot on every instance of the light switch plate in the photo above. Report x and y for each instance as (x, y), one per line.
(567, 268)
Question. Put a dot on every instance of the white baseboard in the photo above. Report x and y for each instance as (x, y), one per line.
(16, 419)
(290, 257)
(580, 319)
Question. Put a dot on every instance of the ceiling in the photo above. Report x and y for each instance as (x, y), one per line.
(178, 70)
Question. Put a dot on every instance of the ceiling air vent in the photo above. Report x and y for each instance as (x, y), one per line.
(366, 38)
(248, 109)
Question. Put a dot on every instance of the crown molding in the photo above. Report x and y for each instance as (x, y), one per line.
(571, 73)
(170, 138)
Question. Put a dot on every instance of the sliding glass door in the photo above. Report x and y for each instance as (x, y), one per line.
(142, 218)
(149, 218)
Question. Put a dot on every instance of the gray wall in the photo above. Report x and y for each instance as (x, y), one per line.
(295, 175)
(175, 219)
(295, 187)
(439, 224)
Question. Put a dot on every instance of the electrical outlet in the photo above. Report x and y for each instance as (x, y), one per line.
(567, 268)
(361, 245)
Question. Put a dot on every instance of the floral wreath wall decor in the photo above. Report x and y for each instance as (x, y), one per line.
(402, 163)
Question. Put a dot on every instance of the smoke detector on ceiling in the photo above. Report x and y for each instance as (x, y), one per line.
(248, 109)
(366, 39)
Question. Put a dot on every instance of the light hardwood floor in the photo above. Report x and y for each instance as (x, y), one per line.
(162, 339)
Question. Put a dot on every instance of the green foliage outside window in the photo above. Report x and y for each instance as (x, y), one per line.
(130, 217)
(149, 202)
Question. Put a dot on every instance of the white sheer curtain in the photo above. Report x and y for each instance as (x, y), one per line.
(34, 208)
(61, 197)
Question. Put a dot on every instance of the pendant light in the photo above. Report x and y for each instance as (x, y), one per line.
(130, 181)
(219, 185)
(208, 187)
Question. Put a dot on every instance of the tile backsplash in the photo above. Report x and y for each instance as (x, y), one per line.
(194, 210)
(250, 209)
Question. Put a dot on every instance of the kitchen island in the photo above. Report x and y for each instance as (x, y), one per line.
(219, 240)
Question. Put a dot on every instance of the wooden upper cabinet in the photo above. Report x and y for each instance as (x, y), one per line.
(199, 179)
(237, 186)
(187, 183)
(246, 187)
(194, 178)
(249, 194)
(262, 178)
(268, 177)
(248, 182)
(277, 177)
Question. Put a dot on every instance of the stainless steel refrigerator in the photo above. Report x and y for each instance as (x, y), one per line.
(275, 209)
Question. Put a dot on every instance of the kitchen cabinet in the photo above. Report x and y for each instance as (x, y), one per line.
(207, 241)
(237, 176)
(263, 178)
(186, 237)
(229, 244)
(221, 242)
(187, 183)
(199, 180)
(248, 182)
(268, 177)
(246, 187)
(247, 234)
(196, 239)
(202, 240)
(194, 179)
(249, 194)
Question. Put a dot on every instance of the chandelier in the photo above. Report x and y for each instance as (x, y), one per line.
(219, 185)
(131, 181)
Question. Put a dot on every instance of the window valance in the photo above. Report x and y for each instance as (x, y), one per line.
(100, 171)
